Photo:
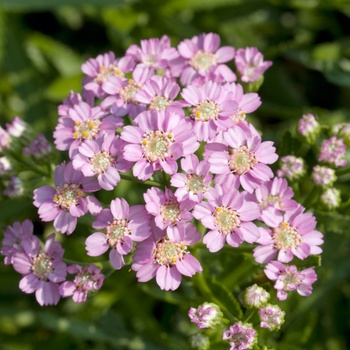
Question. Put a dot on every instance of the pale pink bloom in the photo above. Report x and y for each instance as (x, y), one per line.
(17, 127)
(69, 200)
(228, 216)
(323, 175)
(160, 138)
(203, 59)
(271, 317)
(87, 278)
(101, 158)
(124, 225)
(99, 69)
(166, 260)
(288, 279)
(154, 53)
(245, 157)
(292, 167)
(13, 237)
(195, 182)
(309, 127)
(69, 102)
(255, 297)
(331, 198)
(42, 269)
(293, 234)
(212, 105)
(5, 165)
(247, 103)
(4, 139)
(123, 91)
(207, 315)
(250, 64)
(241, 336)
(332, 151)
(170, 214)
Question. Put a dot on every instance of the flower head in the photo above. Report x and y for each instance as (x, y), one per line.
(207, 315)
(241, 336)
(255, 296)
(323, 176)
(331, 198)
(332, 151)
(309, 128)
(271, 317)
(292, 167)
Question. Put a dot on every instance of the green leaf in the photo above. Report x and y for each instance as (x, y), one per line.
(334, 222)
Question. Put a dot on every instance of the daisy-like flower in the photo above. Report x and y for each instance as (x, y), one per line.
(247, 103)
(212, 106)
(170, 214)
(124, 225)
(271, 317)
(87, 278)
(42, 269)
(241, 336)
(332, 151)
(202, 58)
(288, 279)
(82, 123)
(123, 91)
(228, 216)
(245, 157)
(154, 53)
(159, 93)
(69, 200)
(160, 138)
(195, 182)
(13, 237)
(99, 69)
(207, 315)
(102, 159)
(250, 64)
(293, 234)
(166, 260)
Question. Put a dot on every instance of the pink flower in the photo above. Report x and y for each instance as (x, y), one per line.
(41, 270)
(271, 317)
(102, 159)
(203, 59)
(160, 138)
(212, 106)
(166, 260)
(288, 278)
(87, 278)
(4, 139)
(292, 167)
(68, 201)
(124, 225)
(194, 184)
(245, 157)
(168, 212)
(323, 176)
(99, 69)
(250, 64)
(333, 152)
(241, 336)
(17, 127)
(207, 315)
(13, 237)
(39, 148)
(228, 216)
(293, 234)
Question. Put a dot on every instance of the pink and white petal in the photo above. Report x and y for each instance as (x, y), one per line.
(249, 232)
(168, 278)
(264, 253)
(234, 239)
(249, 211)
(214, 240)
(143, 170)
(224, 54)
(302, 251)
(145, 272)
(265, 153)
(189, 265)
(65, 222)
(67, 289)
(29, 283)
(96, 244)
(47, 294)
(285, 255)
(93, 205)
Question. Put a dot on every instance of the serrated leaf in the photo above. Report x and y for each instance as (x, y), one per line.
(334, 222)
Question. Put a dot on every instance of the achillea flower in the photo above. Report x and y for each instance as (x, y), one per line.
(309, 128)
(166, 260)
(4, 139)
(99, 69)
(229, 218)
(101, 158)
(212, 106)
(5, 165)
(255, 296)
(69, 200)
(195, 182)
(271, 317)
(13, 237)
(245, 157)
(241, 336)
(69, 102)
(42, 269)
(14, 187)
(343, 132)
(323, 176)
(38, 148)
(250, 64)
(292, 167)
(17, 127)
(170, 214)
(331, 198)
(288, 279)
(124, 225)
(207, 315)
(87, 278)
(160, 138)
(202, 58)
(293, 234)
(332, 151)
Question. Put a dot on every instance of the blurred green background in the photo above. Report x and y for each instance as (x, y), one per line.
(42, 46)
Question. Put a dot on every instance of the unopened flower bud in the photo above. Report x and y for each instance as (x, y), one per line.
(5, 165)
(17, 127)
(200, 342)
(344, 133)
(255, 296)
(309, 128)
(323, 176)
(292, 167)
(330, 198)
(333, 151)
(207, 315)
(14, 187)
(271, 317)
(241, 336)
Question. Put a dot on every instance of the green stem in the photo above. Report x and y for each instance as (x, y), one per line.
(343, 171)
(248, 315)
(134, 179)
(311, 197)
